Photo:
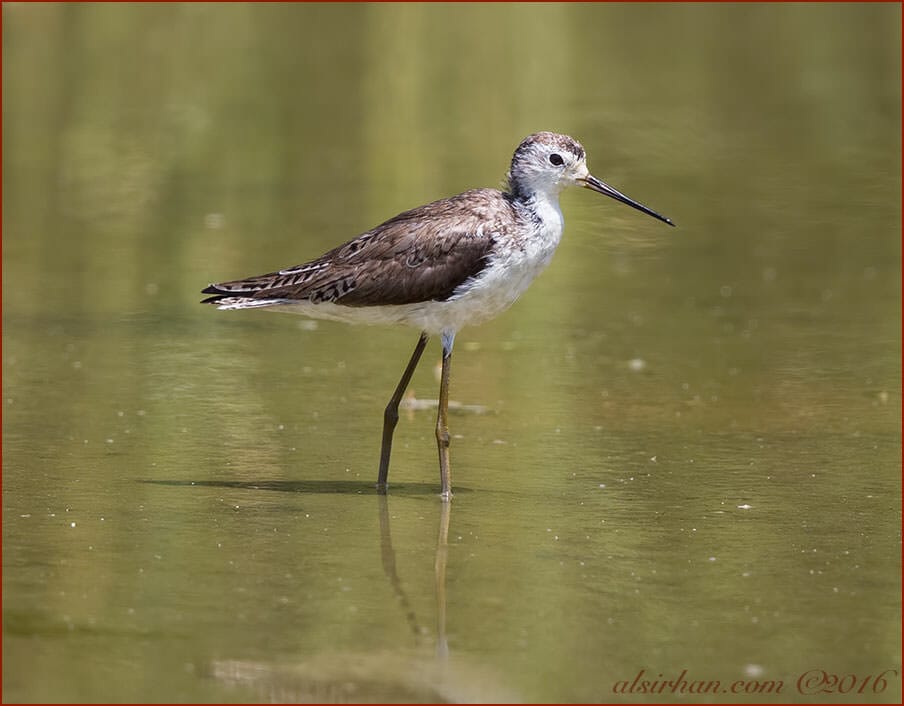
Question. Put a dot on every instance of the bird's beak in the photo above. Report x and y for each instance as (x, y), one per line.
(591, 182)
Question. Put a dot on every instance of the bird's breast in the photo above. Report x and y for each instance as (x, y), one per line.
(513, 264)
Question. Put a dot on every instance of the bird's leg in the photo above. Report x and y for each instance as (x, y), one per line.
(442, 418)
(391, 414)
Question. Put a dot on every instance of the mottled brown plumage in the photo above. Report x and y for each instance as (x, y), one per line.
(420, 255)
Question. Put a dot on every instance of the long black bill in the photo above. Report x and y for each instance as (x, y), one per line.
(591, 182)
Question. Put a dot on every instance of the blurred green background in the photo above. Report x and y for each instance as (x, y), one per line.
(680, 450)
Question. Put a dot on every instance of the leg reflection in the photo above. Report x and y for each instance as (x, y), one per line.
(439, 568)
(387, 554)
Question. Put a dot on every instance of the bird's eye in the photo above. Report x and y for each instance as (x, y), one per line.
(556, 159)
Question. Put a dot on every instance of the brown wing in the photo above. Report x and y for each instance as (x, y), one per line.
(420, 255)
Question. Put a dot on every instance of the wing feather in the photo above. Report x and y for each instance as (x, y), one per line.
(420, 255)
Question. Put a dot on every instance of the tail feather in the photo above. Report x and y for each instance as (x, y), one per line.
(225, 299)
(222, 302)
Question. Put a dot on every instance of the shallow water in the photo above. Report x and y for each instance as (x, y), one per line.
(676, 458)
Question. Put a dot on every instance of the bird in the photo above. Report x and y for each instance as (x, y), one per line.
(454, 262)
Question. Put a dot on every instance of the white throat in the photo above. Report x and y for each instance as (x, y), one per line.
(545, 205)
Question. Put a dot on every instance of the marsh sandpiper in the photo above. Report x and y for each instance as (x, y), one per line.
(438, 267)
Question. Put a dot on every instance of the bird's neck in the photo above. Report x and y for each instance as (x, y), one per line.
(543, 206)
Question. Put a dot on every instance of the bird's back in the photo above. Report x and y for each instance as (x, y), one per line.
(423, 254)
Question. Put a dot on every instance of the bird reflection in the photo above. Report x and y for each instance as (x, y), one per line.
(388, 557)
(391, 676)
(439, 569)
(387, 554)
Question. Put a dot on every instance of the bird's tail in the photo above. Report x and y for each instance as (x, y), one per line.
(224, 299)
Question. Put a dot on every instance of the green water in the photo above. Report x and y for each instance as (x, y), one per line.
(680, 450)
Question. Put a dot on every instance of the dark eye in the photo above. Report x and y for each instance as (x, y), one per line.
(556, 159)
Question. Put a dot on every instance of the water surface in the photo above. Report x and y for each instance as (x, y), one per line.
(680, 450)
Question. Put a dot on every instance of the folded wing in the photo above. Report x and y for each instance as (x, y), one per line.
(411, 258)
